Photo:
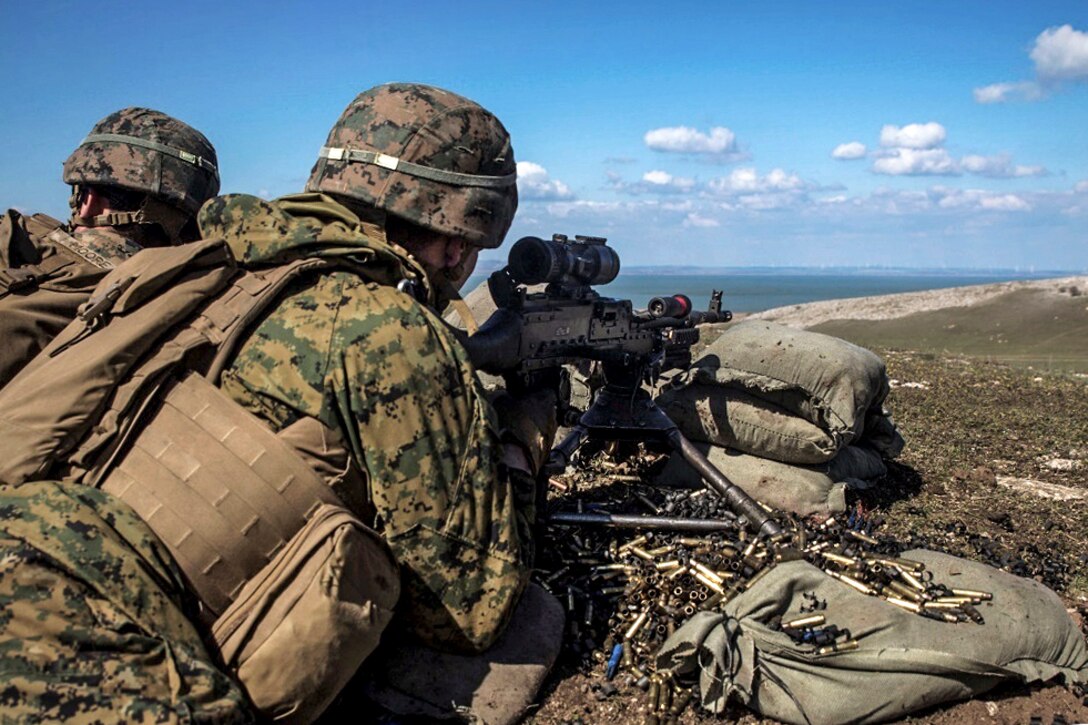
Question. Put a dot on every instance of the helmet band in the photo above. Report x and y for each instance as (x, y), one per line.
(392, 163)
(198, 161)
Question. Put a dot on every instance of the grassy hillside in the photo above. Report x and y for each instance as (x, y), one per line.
(1028, 327)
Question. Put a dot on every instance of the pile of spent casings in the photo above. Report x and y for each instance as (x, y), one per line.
(626, 590)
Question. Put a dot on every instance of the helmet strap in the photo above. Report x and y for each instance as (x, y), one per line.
(151, 212)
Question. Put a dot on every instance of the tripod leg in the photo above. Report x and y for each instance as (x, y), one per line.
(739, 501)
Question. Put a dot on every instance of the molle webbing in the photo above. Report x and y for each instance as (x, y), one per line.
(220, 489)
(29, 276)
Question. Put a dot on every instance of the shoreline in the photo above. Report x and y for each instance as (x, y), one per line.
(902, 304)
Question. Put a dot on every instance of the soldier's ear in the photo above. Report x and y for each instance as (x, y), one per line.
(92, 202)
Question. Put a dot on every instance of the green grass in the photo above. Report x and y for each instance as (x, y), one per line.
(1025, 328)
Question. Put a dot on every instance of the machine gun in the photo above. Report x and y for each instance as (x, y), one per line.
(535, 332)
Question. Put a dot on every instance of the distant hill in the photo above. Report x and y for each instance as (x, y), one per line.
(1038, 323)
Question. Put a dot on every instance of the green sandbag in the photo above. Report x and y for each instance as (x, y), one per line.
(737, 419)
(782, 393)
(904, 662)
(804, 490)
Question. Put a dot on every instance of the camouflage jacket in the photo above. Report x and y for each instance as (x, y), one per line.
(46, 273)
(383, 371)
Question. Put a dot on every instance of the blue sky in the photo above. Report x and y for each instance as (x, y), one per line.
(686, 133)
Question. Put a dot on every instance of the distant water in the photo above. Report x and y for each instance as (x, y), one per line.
(757, 291)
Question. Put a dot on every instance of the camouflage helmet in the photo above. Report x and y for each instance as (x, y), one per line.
(148, 152)
(427, 156)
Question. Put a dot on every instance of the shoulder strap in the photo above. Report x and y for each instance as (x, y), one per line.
(20, 242)
(218, 327)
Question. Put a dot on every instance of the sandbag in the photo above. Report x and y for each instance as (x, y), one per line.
(804, 490)
(904, 662)
(777, 392)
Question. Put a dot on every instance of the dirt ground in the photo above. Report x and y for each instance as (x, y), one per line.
(995, 469)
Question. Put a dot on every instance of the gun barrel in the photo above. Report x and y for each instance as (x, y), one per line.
(632, 521)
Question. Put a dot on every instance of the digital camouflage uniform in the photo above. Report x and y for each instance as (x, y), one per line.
(47, 270)
(381, 368)
(92, 624)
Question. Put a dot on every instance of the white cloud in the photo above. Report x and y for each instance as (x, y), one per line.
(978, 200)
(748, 181)
(1061, 54)
(1081, 187)
(664, 181)
(534, 184)
(683, 139)
(563, 209)
(846, 151)
(913, 135)
(999, 167)
(695, 220)
(1002, 92)
(915, 162)
(1004, 202)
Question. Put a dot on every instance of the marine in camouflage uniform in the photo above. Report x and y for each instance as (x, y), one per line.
(94, 624)
(428, 460)
(377, 364)
(138, 180)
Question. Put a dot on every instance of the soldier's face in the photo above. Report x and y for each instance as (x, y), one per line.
(439, 252)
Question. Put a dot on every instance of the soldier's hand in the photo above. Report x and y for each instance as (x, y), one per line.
(529, 420)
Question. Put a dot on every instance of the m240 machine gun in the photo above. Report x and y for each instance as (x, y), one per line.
(535, 332)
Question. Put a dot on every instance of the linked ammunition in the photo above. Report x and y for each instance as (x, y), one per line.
(973, 614)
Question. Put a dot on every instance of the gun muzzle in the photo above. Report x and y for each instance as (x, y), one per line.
(676, 306)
